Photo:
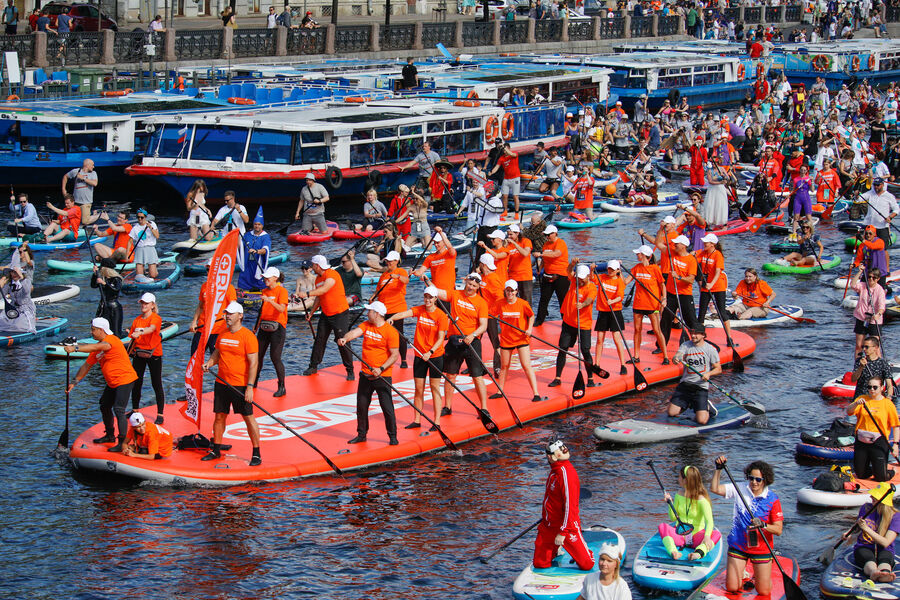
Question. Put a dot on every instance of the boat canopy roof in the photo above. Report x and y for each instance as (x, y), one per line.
(106, 109)
(653, 60)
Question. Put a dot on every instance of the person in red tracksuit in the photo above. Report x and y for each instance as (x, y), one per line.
(560, 524)
(699, 157)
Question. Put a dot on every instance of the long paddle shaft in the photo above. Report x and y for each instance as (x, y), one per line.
(737, 362)
(781, 312)
(640, 382)
(682, 528)
(750, 407)
(828, 555)
(63, 442)
(602, 373)
(331, 464)
(183, 255)
(792, 591)
(578, 387)
(447, 441)
(485, 417)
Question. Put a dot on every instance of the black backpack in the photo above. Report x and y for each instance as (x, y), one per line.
(838, 479)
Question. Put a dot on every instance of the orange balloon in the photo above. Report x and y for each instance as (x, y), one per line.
(611, 189)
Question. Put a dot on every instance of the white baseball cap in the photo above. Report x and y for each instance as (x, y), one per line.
(570, 168)
(515, 228)
(644, 249)
(682, 240)
(234, 308)
(311, 176)
(550, 229)
(474, 276)
(511, 284)
(613, 264)
(271, 272)
(392, 255)
(488, 261)
(568, 114)
(669, 219)
(320, 260)
(147, 298)
(432, 291)
(378, 307)
(497, 234)
(610, 550)
(582, 271)
(711, 238)
(136, 419)
(101, 323)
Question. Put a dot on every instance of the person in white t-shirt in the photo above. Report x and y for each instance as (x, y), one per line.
(606, 584)
(144, 236)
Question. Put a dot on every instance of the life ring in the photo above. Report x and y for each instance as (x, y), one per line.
(509, 54)
(356, 99)
(820, 62)
(741, 71)
(334, 176)
(760, 69)
(871, 62)
(854, 64)
(507, 126)
(469, 103)
(115, 93)
(491, 128)
(374, 179)
(472, 95)
(12, 98)
(236, 100)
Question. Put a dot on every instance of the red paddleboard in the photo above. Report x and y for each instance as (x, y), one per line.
(739, 226)
(313, 238)
(715, 589)
(322, 408)
(352, 234)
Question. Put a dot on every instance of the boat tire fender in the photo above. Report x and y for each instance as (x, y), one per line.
(334, 176)
(374, 179)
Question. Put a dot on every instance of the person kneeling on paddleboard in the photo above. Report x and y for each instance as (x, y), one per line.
(701, 362)
(560, 521)
(744, 543)
(606, 583)
(878, 529)
(876, 421)
(146, 440)
(692, 507)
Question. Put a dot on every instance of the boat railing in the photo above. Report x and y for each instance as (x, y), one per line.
(538, 121)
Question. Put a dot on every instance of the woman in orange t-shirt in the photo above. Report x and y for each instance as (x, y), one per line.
(520, 248)
(110, 352)
(391, 292)
(499, 251)
(715, 281)
(512, 310)
(272, 326)
(680, 287)
(555, 279)
(146, 350)
(610, 293)
(647, 298)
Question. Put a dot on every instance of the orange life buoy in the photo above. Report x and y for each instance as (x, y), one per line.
(491, 128)
(507, 125)
(236, 100)
(741, 71)
(509, 54)
(760, 69)
(12, 98)
(871, 62)
(356, 99)
(820, 62)
(470, 103)
(854, 64)
(115, 93)
(473, 95)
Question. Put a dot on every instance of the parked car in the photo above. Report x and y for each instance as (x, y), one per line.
(85, 17)
(494, 7)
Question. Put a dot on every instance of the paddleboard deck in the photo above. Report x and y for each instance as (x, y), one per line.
(79, 266)
(715, 589)
(845, 499)
(167, 276)
(773, 318)
(322, 408)
(597, 221)
(195, 246)
(844, 579)
(655, 568)
(842, 388)
(45, 326)
(48, 293)
(828, 453)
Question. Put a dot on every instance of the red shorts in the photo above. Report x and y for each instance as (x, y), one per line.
(545, 548)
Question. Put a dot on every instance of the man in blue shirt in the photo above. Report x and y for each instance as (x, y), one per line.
(25, 217)
(11, 17)
(63, 23)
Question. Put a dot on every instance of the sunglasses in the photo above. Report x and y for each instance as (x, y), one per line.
(755, 479)
(873, 387)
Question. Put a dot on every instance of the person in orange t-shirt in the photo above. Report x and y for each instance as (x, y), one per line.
(680, 288)
(492, 292)
(520, 248)
(610, 294)
(577, 318)
(120, 230)
(272, 326)
(715, 282)
(648, 294)
(146, 440)
(754, 296)
(147, 350)
(237, 354)
(668, 231)
(827, 183)
(499, 252)
(469, 320)
(65, 228)
(110, 352)
(512, 312)
(555, 279)
(199, 320)
(431, 329)
(442, 263)
(331, 297)
(391, 291)
(380, 350)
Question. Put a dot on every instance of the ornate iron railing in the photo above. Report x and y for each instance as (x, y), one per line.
(23, 44)
(668, 25)
(581, 30)
(352, 38)
(477, 33)
(79, 48)
(306, 41)
(198, 43)
(892, 14)
(612, 29)
(438, 33)
(514, 32)
(792, 13)
(548, 30)
(752, 14)
(397, 37)
(253, 42)
(641, 26)
(128, 46)
(773, 14)
(733, 13)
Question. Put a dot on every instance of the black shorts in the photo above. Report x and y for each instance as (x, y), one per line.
(884, 234)
(456, 354)
(514, 347)
(225, 399)
(862, 555)
(610, 321)
(645, 313)
(863, 328)
(688, 395)
(422, 368)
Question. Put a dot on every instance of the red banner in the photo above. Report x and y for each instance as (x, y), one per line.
(217, 281)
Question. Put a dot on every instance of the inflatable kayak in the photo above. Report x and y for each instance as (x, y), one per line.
(79, 266)
(890, 297)
(715, 589)
(843, 388)
(829, 453)
(45, 326)
(618, 206)
(597, 221)
(654, 568)
(313, 238)
(827, 262)
(195, 246)
(851, 243)
(195, 269)
(356, 234)
(844, 579)
(841, 282)
(741, 226)
(564, 580)
(167, 330)
(844, 499)
(168, 274)
(80, 243)
(663, 427)
(773, 318)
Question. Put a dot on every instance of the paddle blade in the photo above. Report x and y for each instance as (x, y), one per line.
(640, 382)
(754, 408)
(827, 557)
(447, 441)
(737, 362)
(683, 528)
(63, 442)
(792, 591)
(578, 387)
(487, 421)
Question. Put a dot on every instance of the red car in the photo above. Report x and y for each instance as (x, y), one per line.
(85, 17)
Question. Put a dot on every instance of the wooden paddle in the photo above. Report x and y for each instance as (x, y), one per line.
(798, 319)
(682, 528)
(792, 591)
(828, 555)
(640, 382)
(578, 388)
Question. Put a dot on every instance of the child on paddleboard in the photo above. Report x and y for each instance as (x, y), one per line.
(693, 508)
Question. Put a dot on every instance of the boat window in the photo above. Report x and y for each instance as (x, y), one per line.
(436, 127)
(215, 142)
(473, 141)
(9, 134)
(86, 142)
(453, 144)
(453, 125)
(437, 144)
(408, 149)
(41, 137)
(386, 151)
(362, 155)
(410, 130)
(674, 78)
(473, 124)
(270, 147)
(361, 135)
(84, 127)
(314, 137)
(385, 132)
(164, 142)
(312, 151)
(709, 74)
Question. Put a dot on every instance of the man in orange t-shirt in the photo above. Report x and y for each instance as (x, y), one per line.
(577, 319)
(65, 228)
(120, 230)
(237, 354)
(199, 320)
(516, 320)
(519, 269)
(146, 440)
(442, 264)
(331, 298)
(554, 280)
(680, 288)
(391, 292)
(380, 350)
(110, 352)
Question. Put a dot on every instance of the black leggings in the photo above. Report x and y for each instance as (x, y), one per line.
(718, 298)
(113, 406)
(493, 332)
(871, 460)
(274, 342)
(155, 364)
(559, 286)
(567, 337)
(398, 325)
(526, 291)
(380, 386)
(674, 303)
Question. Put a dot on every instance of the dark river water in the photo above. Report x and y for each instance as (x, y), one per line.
(411, 529)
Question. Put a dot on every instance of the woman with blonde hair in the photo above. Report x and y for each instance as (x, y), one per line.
(878, 530)
(146, 351)
(109, 282)
(606, 583)
(199, 217)
(692, 507)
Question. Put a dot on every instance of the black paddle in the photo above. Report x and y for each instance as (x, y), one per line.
(828, 555)
(583, 494)
(578, 388)
(880, 332)
(601, 373)
(681, 528)
(753, 408)
(447, 441)
(737, 362)
(63, 442)
(331, 464)
(792, 591)
(483, 415)
(640, 382)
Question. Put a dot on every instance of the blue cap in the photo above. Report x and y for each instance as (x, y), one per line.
(878, 181)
